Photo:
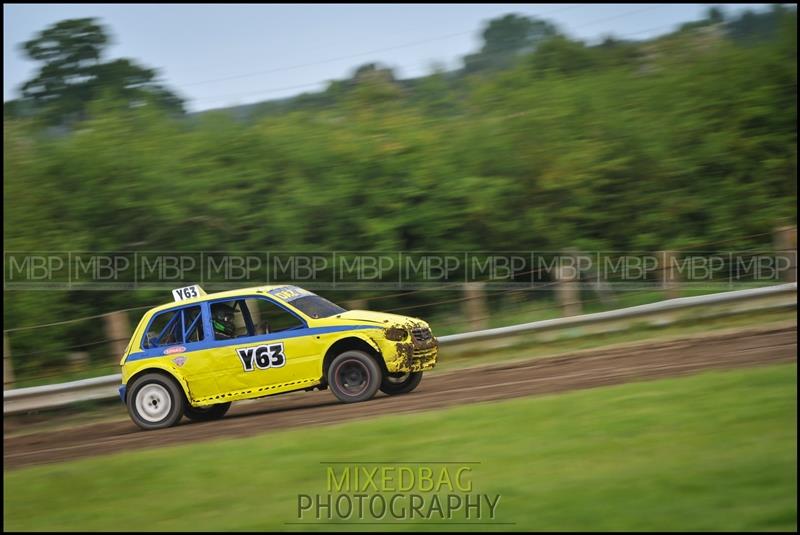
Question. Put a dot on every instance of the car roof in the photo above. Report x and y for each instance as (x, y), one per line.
(218, 295)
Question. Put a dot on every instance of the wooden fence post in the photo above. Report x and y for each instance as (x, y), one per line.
(785, 241)
(567, 291)
(118, 332)
(668, 274)
(78, 360)
(475, 305)
(8, 364)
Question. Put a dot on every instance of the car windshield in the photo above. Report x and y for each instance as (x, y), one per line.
(316, 307)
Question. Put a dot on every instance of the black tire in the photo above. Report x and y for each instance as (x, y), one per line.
(206, 414)
(400, 383)
(354, 376)
(155, 401)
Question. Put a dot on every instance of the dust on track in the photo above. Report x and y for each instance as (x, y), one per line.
(586, 369)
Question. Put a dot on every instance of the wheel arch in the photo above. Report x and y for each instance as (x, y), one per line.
(160, 370)
(348, 343)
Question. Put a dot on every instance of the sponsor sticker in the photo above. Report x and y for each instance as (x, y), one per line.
(289, 293)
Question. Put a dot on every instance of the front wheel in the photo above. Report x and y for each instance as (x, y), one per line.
(206, 414)
(354, 376)
(400, 383)
(155, 401)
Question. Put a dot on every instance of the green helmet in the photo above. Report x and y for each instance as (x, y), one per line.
(222, 319)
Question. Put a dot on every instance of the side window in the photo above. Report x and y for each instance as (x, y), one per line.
(239, 318)
(175, 327)
(229, 320)
(193, 324)
(270, 318)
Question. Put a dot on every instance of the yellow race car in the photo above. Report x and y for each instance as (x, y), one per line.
(196, 355)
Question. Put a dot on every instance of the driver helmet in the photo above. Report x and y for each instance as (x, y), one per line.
(222, 319)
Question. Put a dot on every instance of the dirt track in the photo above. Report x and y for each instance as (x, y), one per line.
(547, 375)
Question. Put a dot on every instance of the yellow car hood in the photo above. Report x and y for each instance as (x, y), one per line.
(380, 318)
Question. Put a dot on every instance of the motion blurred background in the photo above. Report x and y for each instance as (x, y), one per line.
(665, 128)
(657, 136)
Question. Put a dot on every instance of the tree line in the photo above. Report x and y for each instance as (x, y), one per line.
(539, 142)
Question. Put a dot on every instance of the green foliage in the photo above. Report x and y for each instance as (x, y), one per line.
(752, 27)
(72, 75)
(507, 37)
(561, 56)
(676, 143)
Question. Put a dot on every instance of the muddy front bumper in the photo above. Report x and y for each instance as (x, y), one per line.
(417, 353)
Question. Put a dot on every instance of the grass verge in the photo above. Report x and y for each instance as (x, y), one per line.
(715, 451)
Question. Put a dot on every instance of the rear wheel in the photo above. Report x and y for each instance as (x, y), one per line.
(400, 383)
(206, 414)
(155, 401)
(354, 376)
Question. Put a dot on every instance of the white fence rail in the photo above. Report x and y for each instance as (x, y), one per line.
(50, 396)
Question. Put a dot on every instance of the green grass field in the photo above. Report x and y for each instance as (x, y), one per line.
(715, 451)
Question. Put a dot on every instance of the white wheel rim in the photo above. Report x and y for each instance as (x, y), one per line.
(401, 379)
(153, 402)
